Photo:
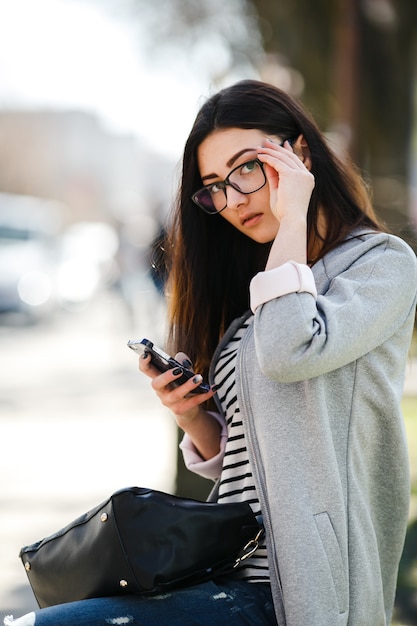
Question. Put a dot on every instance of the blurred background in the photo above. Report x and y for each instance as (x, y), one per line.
(96, 100)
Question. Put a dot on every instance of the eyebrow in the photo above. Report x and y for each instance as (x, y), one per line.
(230, 162)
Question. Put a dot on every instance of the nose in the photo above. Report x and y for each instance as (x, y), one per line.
(235, 198)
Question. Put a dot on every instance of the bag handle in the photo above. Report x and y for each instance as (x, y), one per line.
(249, 548)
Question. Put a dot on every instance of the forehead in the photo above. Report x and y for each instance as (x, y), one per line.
(221, 145)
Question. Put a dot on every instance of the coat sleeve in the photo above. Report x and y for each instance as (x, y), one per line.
(370, 295)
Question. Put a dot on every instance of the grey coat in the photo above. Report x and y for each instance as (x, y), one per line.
(319, 385)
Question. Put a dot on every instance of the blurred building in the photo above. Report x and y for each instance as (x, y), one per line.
(110, 195)
(72, 158)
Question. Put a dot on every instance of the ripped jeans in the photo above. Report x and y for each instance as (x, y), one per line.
(213, 603)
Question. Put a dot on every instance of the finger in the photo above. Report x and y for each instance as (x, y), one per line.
(286, 144)
(280, 157)
(184, 359)
(272, 176)
(145, 363)
(147, 368)
(179, 399)
(165, 382)
(162, 382)
(183, 405)
(285, 150)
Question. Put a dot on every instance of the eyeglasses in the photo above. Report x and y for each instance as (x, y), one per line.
(246, 179)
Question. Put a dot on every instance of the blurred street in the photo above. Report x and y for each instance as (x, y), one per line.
(78, 421)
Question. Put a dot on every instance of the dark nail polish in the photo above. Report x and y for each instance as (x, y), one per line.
(187, 363)
(177, 371)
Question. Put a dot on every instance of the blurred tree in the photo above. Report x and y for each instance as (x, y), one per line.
(406, 601)
(213, 39)
(358, 61)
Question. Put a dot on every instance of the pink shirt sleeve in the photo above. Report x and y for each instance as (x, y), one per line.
(290, 277)
(195, 463)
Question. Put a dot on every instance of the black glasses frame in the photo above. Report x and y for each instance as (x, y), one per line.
(227, 183)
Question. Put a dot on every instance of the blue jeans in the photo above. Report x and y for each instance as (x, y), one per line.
(230, 602)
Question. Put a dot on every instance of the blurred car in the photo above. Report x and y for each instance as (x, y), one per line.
(87, 263)
(28, 254)
(44, 266)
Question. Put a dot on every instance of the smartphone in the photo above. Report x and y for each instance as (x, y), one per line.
(163, 362)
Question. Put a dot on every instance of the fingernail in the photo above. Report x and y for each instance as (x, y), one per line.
(145, 355)
(187, 363)
(214, 387)
(197, 379)
(177, 371)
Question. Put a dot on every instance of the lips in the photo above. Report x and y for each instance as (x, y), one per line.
(250, 219)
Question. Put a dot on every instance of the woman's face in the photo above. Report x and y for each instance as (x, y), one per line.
(218, 154)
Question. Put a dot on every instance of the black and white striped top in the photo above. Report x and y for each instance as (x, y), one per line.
(236, 480)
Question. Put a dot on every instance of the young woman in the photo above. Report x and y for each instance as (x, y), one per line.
(287, 294)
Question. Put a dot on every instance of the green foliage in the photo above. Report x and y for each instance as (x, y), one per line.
(406, 601)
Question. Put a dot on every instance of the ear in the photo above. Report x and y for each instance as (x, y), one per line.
(301, 149)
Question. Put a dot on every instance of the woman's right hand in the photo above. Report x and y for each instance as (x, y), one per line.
(190, 416)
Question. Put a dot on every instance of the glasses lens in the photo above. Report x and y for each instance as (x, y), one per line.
(206, 201)
(248, 177)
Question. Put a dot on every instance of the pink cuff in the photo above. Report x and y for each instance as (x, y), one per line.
(290, 277)
(193, 460)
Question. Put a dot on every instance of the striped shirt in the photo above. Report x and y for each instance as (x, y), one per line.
(236, 479)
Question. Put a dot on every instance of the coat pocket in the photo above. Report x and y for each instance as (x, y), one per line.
(334, 557)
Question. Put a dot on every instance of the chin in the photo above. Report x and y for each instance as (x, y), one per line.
(262, 237)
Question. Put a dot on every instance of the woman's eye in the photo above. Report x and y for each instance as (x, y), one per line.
(214, 188)
(249, 167)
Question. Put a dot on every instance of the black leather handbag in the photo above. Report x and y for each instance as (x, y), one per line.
(140, 541)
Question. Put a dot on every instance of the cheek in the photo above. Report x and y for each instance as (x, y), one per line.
(231, 216)
(266, 195)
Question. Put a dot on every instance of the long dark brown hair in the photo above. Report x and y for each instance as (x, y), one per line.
(210, 263)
